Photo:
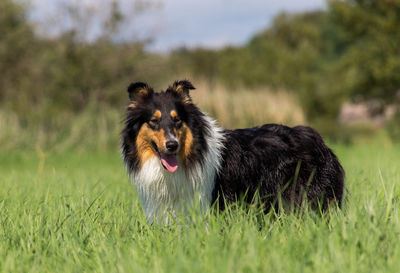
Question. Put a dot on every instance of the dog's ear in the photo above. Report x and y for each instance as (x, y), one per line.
(182, 88)
(139, 92)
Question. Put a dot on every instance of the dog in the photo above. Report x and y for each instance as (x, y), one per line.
(176, 156)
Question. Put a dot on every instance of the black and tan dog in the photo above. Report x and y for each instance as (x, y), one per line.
(176, 155)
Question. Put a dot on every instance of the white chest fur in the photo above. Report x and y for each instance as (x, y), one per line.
(164, 194)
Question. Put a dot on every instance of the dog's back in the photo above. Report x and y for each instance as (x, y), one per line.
(278, 162)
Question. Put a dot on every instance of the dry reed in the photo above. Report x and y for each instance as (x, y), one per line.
(98, 127)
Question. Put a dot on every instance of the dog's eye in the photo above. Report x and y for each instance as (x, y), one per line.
(177, 121)
(154, 121)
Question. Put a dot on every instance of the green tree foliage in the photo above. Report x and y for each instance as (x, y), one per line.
(17, 48)
(43, 77)
(349, 51)
(298, 52)
(282, 54)
(276, 57)
(368, 42)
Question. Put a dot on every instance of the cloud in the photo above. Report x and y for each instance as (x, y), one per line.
(216, 23)
(174, 23)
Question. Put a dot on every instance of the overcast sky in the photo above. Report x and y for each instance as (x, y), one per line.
(176, 23)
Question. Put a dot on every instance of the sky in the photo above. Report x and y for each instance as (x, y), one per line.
(174, 23)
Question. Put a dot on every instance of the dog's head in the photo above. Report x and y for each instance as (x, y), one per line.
(161, 121)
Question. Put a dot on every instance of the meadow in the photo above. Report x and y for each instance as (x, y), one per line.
(75, 211)
(66, 204)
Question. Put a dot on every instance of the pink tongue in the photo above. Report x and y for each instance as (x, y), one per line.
(169, 162)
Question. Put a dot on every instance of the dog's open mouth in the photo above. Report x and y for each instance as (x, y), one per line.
(169, 161)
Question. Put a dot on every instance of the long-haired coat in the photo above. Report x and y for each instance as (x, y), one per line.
(176, 156)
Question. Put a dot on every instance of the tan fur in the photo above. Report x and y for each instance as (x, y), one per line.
(143, 142)
(179, 89)
(143, 92)
(184, 95)
(186, 139)
(157, 114)
(147, 135)
(173, 114)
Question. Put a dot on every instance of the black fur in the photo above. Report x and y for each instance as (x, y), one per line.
(273, 160)
(142, 112)
(265, 159)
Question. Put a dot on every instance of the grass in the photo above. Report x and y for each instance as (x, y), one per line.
(76, 212)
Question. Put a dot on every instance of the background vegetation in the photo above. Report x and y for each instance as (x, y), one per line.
(59, 89)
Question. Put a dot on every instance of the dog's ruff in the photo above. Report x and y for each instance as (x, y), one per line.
(177, 157)
(163, 194)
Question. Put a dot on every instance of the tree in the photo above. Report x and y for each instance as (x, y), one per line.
(368, 42)
(17, 47)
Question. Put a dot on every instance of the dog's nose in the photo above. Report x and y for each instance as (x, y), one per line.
(172, 145)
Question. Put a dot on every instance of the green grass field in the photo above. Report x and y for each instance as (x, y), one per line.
(76, 212)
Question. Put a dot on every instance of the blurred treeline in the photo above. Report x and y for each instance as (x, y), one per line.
(351, 52)
(66, 88)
